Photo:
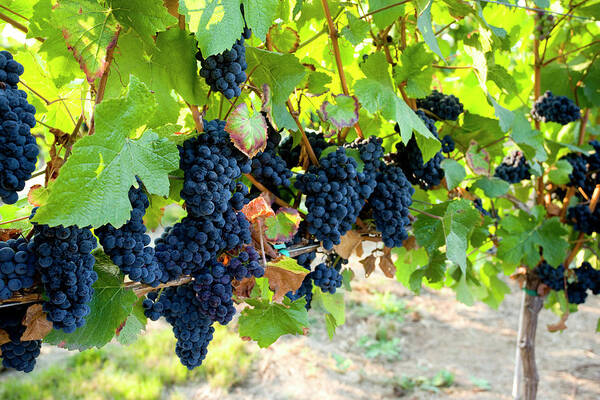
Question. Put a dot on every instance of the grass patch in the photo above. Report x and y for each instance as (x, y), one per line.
(141, 371)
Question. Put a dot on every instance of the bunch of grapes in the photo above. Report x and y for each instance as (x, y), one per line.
(444, 107)
(128, 246)
(192, 329)
(305, 260)
(544, 25)
(328, 279)
(271, 170)
(514, 168)
(447, 144)
(18, 149)
(410, 159)
(291, 155)
(390, 202)
(225, 72)
(245, 264)
(371, 153)
(550, 108)
(583, 219)
(550, 276)
(335, 193)
(214, 292)
(17, 266)
(17, 354)
(66, 266)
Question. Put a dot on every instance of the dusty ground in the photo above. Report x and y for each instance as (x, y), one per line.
(476, 344)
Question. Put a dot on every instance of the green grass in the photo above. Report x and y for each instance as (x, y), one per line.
(142, 371)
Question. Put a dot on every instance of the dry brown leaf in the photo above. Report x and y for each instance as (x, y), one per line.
(359, 251)
(36, 323)
(560, 325)
(553, 209)
(172, 7)
(269, 250)
(348, 243)
(7, 234)
(520, 275)
(282, 281)
(244, 287)
(4, 337)
(369, 264)
(410, 243)
(386, 264)
(543, 290)
(257, 208)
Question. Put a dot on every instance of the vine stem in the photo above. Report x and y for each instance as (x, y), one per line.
(262, 188)
(384, 8)
(18, 25)
(582, 126)
(305, 141)
(48, 102)
(452, 66)
(425, 213)
(333, 35)
(537, 91)
(14, 220)
(570, 52)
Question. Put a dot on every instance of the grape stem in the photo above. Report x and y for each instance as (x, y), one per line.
(262, 188)
(18, 25)
(384, 8)
(14, 220)
(570, 52)
(305, 141)
(425, 213)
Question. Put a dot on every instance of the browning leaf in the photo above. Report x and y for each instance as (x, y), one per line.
(284, 275)
(410, 243)
(7, 234)
(386, 264)
(3, 338)
(359, 250)
(36, 322)
(560, 325)
(244, 287)
(348, 243)
(257, 208)
(369, 264)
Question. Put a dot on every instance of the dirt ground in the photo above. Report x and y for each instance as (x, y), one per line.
(475, 344)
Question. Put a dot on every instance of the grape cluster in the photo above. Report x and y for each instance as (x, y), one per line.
(583, 220)
(371, 153)
(550, 276)
(214, 292)
(271, 170)
(586, 278)
(335, 193)
(550, 108)
(514, 168)
(17, 266)
(291, 155)
(245, 264)
(544, 25)
(390, 202)
(128, 246)
(447, 144)
(586, 170)
(17, 354)
(225, 72)
(305, 260)
(410, 159)
(445, 107)
(328, 279)
(18, 149)
(66, 267)
(192, 329)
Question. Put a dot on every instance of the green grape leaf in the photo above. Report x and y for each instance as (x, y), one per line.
(458, 8)
(456, 222)
(146, 17)
(134, 324)
(317, 82)
(454, 172)
(260, 15)
(282, 226)
(342, 114)
(376, 93)
(111, 305)
(284, 39)
(247, 130)
(384, 18)
(356, 30)
(288, 264)
(463, 291)
(426, 28)
(154, 213)
(94, 182)
(415, 69)
(265, 322)
(523, 234)
(333, 306)
(282, 72)
(217, 24)
(491, 186)
(529, 140)
(560, 171)
(88, 38)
